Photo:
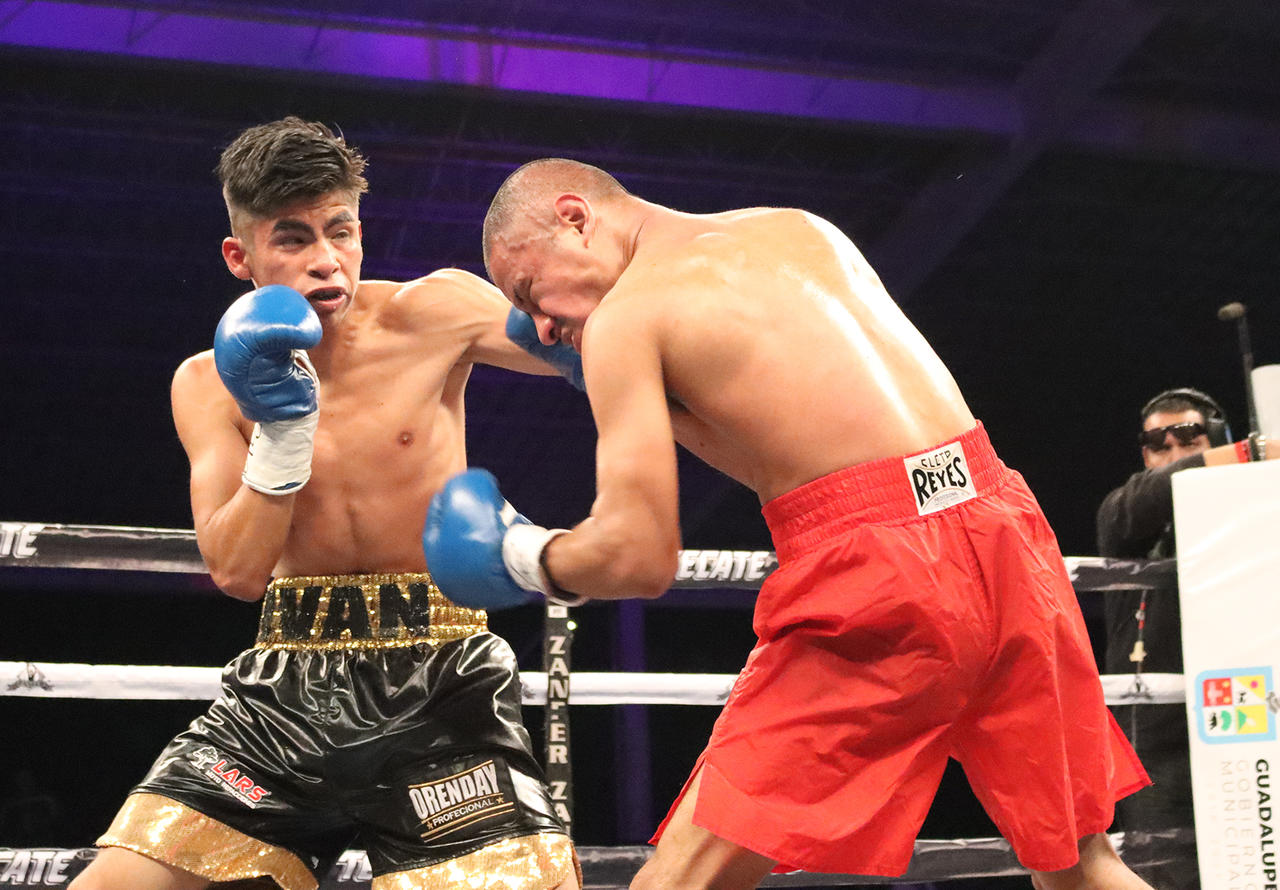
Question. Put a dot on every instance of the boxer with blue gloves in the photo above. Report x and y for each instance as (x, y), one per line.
(359, 659)
(481, 552)
(906, 623)
(260, 352)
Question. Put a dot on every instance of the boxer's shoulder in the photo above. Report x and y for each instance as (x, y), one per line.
(197, 391)
(778, 233)
(678, 273)
(197, 371)
(202, 361)
(440, 284)
(443, 294)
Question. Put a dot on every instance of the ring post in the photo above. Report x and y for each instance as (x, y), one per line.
(558, 641)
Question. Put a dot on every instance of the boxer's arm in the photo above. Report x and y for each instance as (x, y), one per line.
(479, 311)
(629, 545)
(241, 532)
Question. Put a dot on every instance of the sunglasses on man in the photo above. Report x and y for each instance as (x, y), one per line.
(1185, 433)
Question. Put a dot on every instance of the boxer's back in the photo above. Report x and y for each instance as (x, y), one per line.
(786, 356)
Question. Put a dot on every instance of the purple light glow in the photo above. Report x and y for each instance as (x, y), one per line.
(557, 65)
(362, 49)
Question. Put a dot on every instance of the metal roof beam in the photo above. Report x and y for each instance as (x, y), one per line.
(571, 67)
(1091, 42)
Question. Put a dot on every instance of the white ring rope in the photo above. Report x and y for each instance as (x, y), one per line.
(129, 681)
(126, 548)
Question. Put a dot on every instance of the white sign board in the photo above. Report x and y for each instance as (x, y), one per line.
(1228, 527)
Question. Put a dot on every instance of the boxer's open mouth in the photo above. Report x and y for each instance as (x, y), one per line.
(326, 297)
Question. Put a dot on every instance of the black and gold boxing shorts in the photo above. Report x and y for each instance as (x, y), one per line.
(371, 712)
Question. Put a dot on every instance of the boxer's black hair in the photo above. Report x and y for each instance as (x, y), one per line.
(275, 164)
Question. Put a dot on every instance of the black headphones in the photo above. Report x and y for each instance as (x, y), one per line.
(1215, 420)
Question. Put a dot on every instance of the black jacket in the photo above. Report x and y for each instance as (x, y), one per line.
(1135, 521)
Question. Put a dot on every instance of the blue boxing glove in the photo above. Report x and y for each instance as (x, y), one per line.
(564, 358)
(259, 350)
(481, 553)
(254, 349)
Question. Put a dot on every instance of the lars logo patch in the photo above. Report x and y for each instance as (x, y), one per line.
(1236, 705)
(228, 776)
(457, 802)
(940, 478)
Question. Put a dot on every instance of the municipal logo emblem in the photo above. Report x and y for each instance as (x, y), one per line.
(1232, 705)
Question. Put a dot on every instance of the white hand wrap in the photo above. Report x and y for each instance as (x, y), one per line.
(279, 459)
(522, 547)
(280, 455)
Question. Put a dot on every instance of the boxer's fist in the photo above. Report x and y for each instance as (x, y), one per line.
(481, 553)
(564, 358)
(257, 350)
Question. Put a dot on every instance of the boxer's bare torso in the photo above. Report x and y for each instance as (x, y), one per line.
(392, 374)
(760, 339)
(782, 354)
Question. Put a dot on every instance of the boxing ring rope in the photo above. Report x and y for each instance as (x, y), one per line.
(120, 548)
(158, 682)
(125, 548)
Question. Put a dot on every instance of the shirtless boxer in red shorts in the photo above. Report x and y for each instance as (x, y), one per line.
(921, 608)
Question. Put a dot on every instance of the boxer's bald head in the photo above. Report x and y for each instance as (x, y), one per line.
(525, 202)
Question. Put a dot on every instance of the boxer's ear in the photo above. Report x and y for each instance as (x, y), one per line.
(236, 257)
(574, 210)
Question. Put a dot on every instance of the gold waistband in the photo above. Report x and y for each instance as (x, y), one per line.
(361, 612)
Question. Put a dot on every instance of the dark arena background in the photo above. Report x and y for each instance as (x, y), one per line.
(1060, 194)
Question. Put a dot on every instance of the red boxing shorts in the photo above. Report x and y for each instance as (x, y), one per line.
(921, 610)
